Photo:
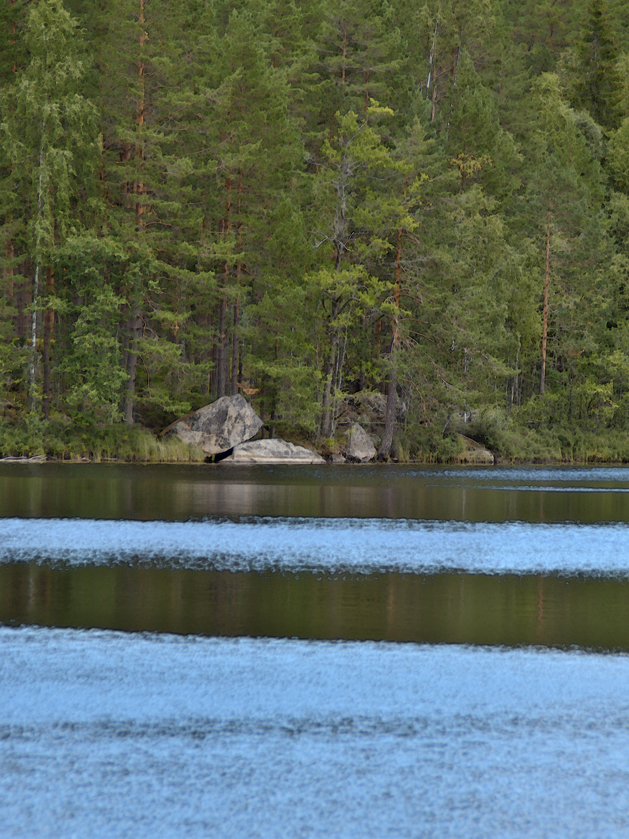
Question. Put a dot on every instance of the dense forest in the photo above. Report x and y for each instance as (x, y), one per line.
(309, 201)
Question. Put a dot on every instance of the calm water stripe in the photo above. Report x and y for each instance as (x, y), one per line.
(106, 734)
(176, 493)
(445, 608)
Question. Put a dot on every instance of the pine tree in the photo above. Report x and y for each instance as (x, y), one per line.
(477, 146)
(138, 47)
(448, 28)
(247, 185)
(565, 188)
(359, 57)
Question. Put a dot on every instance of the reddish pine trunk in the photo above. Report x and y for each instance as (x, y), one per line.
(234, 372)
(222, 349)
(134, 324)
(221, 371)
(134, 327)
(389, 424)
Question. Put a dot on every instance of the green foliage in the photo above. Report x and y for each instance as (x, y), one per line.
(596, 83)
(95, 378)
(48, 128)
(618, 156)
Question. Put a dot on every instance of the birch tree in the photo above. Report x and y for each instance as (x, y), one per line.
(50, 138)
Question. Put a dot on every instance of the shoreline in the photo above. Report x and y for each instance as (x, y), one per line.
(56, 442)
(499, 462)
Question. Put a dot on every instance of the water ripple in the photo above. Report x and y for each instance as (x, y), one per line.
(325, 545)
(113, 734)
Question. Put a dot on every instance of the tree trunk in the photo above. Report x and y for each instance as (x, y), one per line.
(139, 187)
(542, 379)
(134, 324)
(234, 372)
(337, 379)
(221, 366)
(225, 227)
(340, 234)
(389, 423)
(213, 377)
(327, 407)
(344, 60)
(49, 319)
(236, 322)
(431, 79)
(135, 330)
(33, 360)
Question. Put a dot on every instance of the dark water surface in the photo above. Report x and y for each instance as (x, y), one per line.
(351, 652)
(179, 493)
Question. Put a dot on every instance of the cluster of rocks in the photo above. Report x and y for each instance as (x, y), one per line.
(224, 431)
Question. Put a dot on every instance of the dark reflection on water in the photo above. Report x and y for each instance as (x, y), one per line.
(114, 491)
(443, 608)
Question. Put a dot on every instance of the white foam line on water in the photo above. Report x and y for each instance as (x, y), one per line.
(536, 476)
(541, 488)
(328, 545)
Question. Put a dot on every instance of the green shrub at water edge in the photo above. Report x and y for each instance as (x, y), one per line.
(58, 439)
(513, 440)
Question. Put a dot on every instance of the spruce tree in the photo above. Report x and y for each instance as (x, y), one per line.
(597, 84)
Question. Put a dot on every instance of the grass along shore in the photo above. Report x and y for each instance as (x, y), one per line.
(511, 444)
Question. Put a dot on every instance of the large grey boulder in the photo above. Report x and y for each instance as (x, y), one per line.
(220, 426)
(271, 451)
(36, 458)
(359, 444)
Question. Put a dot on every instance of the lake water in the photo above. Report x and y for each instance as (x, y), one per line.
(352, 652)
